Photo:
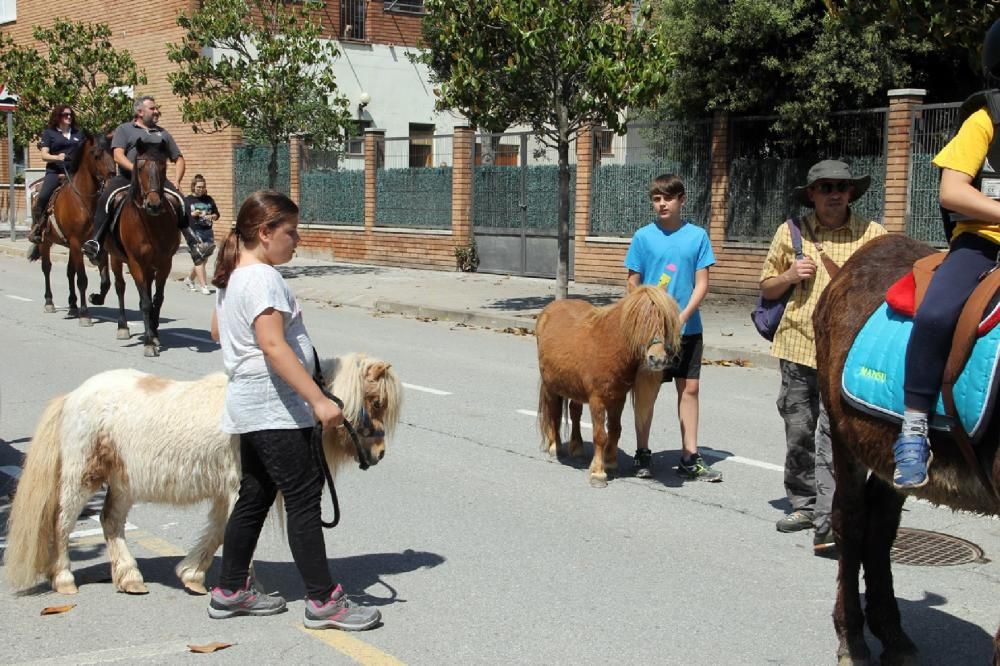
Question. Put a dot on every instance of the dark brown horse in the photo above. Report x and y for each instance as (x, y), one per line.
(147, 229)
(597, 356)
(867, 509)
(73, 212)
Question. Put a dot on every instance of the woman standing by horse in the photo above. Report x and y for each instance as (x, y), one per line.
(60, 140)
(272, 403)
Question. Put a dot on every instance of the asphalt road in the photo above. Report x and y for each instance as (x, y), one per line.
(477, 548)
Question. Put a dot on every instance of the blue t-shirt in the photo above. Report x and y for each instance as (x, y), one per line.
(670, 259)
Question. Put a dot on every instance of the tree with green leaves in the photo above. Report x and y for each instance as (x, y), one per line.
(554, 65)
(80, 68)
(801, 60)
(267, 73)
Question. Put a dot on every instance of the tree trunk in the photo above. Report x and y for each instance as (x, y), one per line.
(562, 268)
(272, 168)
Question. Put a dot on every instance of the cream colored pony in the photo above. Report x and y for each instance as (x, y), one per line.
(156, 440)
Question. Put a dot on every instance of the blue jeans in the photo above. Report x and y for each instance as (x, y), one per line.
(934, 325)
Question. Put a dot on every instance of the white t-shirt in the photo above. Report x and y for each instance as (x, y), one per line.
(256, 397)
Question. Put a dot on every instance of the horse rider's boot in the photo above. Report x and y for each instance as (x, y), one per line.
(92, 247)
(199, 250)
(913, 458)
(37, 224)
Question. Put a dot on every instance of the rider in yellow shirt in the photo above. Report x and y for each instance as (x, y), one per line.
(970, 195)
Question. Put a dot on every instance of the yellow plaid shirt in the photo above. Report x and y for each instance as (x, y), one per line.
(795, 339)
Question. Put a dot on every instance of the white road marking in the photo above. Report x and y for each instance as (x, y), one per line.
(424, 389)
(528, 412)
(18, 298)
(707, 453)
(132, 654)
(187, 336)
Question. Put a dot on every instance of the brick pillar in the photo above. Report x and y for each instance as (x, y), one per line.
(719, 176)
(462, 145)
(295, 146)
(374, 145)
(902, 104)
(584, 184)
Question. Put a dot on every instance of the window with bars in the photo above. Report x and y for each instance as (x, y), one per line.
(352, 19)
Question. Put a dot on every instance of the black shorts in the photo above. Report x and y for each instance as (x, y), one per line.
(686, 365)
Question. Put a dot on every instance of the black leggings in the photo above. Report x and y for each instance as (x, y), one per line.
(276, 460)
(953, 282)
(49, 185)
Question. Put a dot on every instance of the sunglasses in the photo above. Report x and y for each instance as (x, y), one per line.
(67, 114)
(827, 188)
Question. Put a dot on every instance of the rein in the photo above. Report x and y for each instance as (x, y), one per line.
(317, 443)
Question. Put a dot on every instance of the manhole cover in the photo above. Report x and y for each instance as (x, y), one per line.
(922, 548)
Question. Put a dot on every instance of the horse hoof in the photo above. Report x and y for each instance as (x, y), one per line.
(134, 587)
(611, 465)
(96, 299)
(598, 480)
(577, 451)
(50, 308)
(848, 660)
(552, 450)
(151, 351)
(72, 313)
(86, 321)
(65, 587)
(123, 334)
(195, 587)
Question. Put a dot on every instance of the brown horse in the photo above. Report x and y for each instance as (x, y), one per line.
(147, 228)
(72, 218)
(867, 509)
(596, 356)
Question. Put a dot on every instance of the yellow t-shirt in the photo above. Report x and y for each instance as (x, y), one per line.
(795, 339)
(967, 153)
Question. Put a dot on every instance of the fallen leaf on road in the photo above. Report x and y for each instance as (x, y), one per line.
(516, 330)
(55, 610)
(211, 647)
(729, 363)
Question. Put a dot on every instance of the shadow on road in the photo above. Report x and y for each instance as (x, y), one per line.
(292, 272)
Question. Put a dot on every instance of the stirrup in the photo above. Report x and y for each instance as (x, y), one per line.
(92, 249)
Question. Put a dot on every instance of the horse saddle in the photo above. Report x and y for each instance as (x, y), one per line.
(873, 372)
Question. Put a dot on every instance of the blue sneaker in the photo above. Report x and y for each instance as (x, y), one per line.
(913, 458)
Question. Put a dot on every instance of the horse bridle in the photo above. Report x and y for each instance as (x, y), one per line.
(154, 184)
(368, 429)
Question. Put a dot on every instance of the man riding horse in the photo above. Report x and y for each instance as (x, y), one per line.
(123, 146)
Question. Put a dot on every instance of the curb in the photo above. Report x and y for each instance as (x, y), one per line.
(457, 316)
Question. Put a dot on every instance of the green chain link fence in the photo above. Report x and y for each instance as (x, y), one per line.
(329, 194)
(250, 170)
(933, 126)
(409, 194)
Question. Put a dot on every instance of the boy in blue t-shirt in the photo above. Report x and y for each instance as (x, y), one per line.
(675, 255)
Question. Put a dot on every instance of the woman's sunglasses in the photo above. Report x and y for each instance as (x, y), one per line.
(67, 114)
(827, 188)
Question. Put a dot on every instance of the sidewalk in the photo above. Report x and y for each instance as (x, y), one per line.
(494, 301)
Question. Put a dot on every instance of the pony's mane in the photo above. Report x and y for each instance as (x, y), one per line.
(78, 155)
(648, 312)
(345, 376)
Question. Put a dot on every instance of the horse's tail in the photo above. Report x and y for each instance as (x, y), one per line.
(545, 413)
(32, 524)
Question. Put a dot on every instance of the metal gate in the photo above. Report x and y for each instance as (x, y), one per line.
(515, 210)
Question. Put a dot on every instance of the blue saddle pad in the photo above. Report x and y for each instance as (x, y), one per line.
(873, 374)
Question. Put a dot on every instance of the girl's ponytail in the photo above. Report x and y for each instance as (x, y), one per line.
(225, 261)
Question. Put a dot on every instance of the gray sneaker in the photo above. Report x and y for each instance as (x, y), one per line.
(338, 612)
(795, 521)
(696, 469)
(248, 601)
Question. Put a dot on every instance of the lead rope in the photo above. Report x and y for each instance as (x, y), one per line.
(317, 444)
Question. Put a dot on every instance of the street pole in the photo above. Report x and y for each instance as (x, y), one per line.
(11, 200)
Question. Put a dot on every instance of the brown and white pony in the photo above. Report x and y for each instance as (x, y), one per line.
(597, 355)
(867, 508)
(73, 212)
(151, 439)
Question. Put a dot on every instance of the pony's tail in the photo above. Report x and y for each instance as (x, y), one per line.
(545, 414)
(32, 524)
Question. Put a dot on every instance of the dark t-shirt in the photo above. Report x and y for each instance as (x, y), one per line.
(127, 134)
(57, 143)
(203, 203)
